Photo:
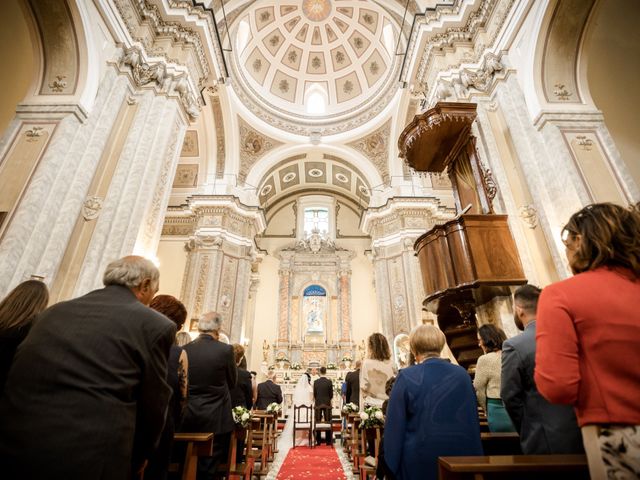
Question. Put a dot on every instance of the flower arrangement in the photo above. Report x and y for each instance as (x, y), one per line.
(350, 408)
(281, 357)
(371, 417)
(296, 366)
(347, 358)
(274, 408)
(241, 416)
(332, 366)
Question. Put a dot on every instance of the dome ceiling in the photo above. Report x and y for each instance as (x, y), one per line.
(305, 66)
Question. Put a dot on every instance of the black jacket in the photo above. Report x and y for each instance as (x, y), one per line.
(322, 391)
(268, 392)
(242, 393)
(212, 375)
(88, 380)
(353, 387)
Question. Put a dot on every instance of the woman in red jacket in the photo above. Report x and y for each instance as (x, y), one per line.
(588, 337)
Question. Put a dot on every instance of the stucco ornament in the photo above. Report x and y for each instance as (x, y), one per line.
(91, 208)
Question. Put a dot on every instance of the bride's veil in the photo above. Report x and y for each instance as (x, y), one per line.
(301, 396)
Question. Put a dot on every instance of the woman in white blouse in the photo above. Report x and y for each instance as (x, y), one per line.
(376, 369)
(487, 378)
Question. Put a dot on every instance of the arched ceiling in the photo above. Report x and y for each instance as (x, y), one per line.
(303, 172)
(342, 50)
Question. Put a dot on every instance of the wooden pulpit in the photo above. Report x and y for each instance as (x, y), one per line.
(473, 258)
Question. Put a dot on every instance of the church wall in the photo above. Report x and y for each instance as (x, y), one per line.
(612, 55)
(172, 259)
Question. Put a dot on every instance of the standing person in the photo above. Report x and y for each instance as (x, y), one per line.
(302, 396)
(588, 337)
(177, 378)
(322, 395)
(182, 338)
(87, 395)
(242, 393)
(375, 371)
(268, 392)
(353, 385)
(432, 411)
(544, 428)
(212, 376)
(487, 379)
(17, 312)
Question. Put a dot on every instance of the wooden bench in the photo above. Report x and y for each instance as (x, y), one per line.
(522, 467)
(198, 445)
(501, 443)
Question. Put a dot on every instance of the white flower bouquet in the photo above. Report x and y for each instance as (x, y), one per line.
(371, 417)
(350, 408)
(274, 408)
(241, 416)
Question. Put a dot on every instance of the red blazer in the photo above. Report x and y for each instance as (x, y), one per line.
(588, 346)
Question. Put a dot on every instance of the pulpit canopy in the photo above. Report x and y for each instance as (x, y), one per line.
(434, 138)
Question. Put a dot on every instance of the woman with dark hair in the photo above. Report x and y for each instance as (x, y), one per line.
(588, 337)
(177, 378)
(17, 312)
(375, 371)
(488, 376)
(242, 393)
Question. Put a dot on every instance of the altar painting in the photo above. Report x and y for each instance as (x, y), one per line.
(314, 309)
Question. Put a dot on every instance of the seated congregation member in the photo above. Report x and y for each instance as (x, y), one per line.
(544, 428)
(17, 312)
(352, 381)
(432, 411)
(212, 376)
(241, 394)
(487, 378)
(177, 378)
(268, 392)
(376, 369)
(87, 395)
(588, 337)
(322, 396)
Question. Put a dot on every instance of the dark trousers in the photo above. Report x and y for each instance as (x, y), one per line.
(323, 415)
(207, 466)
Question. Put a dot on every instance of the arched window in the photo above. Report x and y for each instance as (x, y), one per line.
(243, 36)
(316, 100)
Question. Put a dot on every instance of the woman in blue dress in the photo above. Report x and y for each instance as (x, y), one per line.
(432, 411)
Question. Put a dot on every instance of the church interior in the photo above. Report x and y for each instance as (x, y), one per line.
(314, 170)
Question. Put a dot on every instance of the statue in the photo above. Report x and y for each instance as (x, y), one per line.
(265, 351)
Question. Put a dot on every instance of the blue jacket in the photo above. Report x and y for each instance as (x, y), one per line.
(432, 413)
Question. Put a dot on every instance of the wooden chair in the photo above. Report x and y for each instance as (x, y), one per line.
(356, 447)
(522, 467)
(303, 421)
(198, 445)
(322, 426)
(232, 468)
(260, 444)
(369, 470)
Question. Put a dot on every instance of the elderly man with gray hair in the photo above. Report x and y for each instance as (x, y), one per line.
(86, 397)
(212, 376)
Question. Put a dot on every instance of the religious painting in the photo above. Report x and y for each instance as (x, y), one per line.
(401, 351)
(314, 308)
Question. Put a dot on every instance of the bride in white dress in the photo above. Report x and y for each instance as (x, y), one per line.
(302, 395)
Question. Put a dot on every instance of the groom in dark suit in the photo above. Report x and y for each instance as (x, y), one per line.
(322, 395)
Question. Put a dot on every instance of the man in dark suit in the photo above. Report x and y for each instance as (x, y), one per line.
(322, 396)
(212, 376)
(86, 397)
(268, 392)
(544, 428)
(353, 385)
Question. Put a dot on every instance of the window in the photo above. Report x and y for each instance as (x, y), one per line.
(316, 101)
(316, 219)
(243, 35)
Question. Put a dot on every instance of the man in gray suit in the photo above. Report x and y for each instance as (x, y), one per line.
(86, 396)
(544, 428)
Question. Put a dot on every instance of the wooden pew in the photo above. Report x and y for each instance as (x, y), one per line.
(522, 467)
(198, 445)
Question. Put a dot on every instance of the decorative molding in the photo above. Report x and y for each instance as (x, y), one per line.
(375, 147)
(561, 92)
(218, 120)
(253, 146)
(91, 208)
(584, 143)
(529, 215)
(59, 84)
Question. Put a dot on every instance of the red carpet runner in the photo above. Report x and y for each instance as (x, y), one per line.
(320, 462)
